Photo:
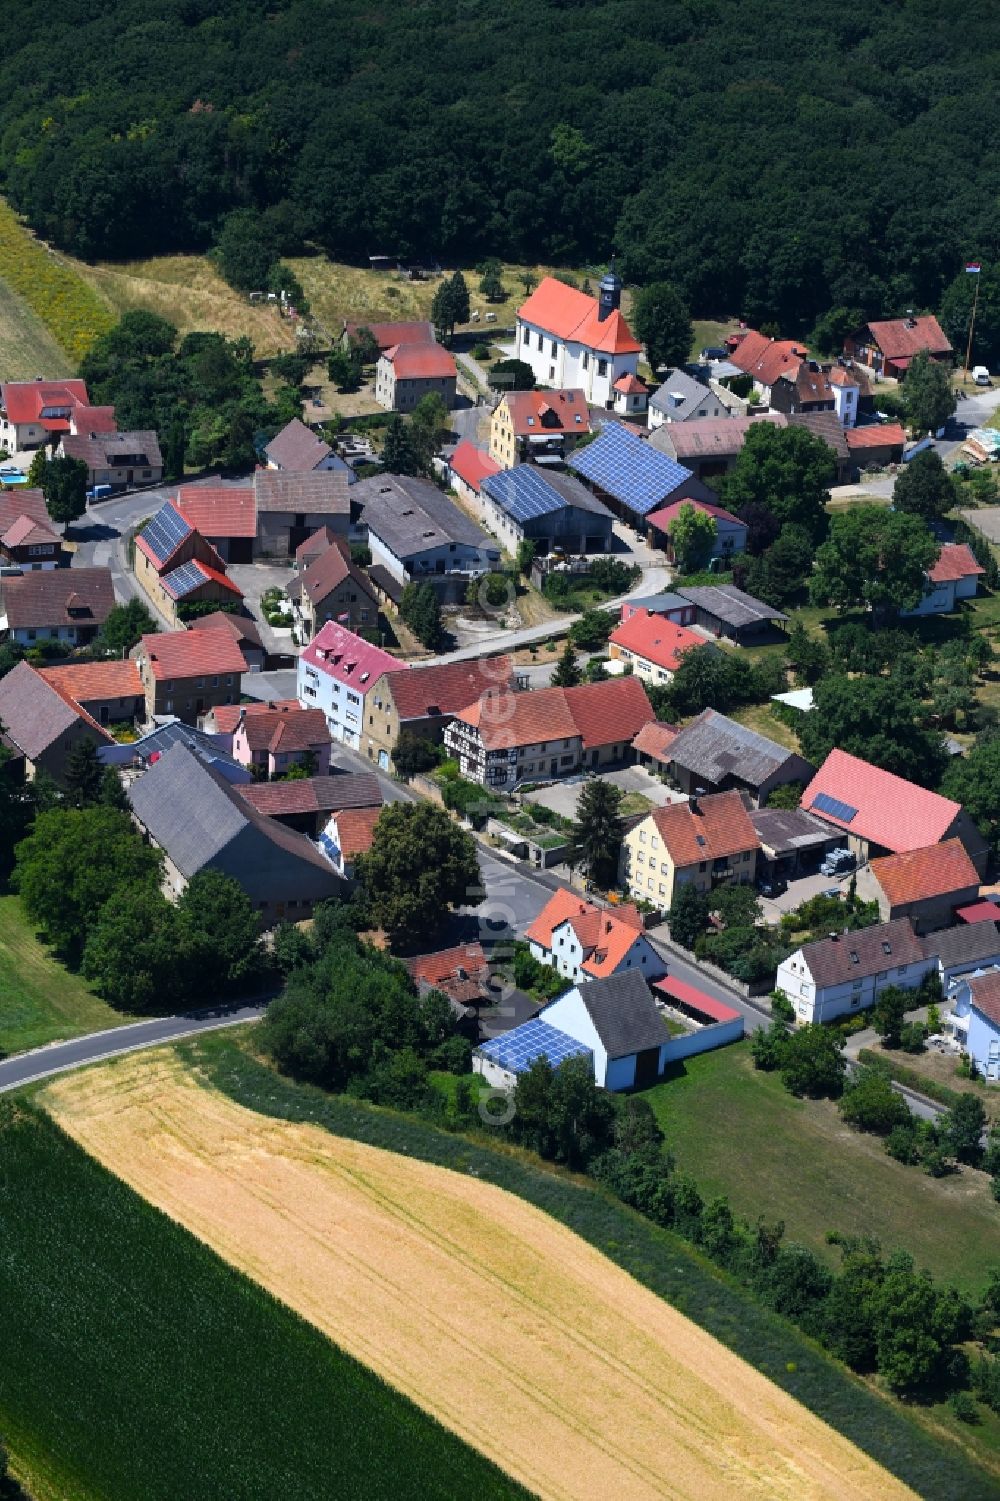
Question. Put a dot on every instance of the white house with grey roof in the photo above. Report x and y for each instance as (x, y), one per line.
(681, 398)
(965, 949)
(188, 809)
(417, 533)
(848, 971)
(714, 753)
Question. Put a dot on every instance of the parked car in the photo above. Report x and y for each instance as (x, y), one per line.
(981, 375)
(772, 886)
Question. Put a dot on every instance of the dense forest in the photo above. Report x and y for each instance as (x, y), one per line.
(774, 159)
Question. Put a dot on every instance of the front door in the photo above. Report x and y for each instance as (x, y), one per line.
(647, 1067)
(553, 766)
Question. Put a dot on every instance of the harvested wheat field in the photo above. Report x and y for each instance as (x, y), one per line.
(513, 1332)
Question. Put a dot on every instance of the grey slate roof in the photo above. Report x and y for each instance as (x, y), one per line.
(967, 943)
(715, 747)
(211, 748)
(193, 814)
(730, 604)
(411, 516)
(297, 448)
(114, 450)
(33, 714)
(692, 393)
(831, 961)
(787, 830)
(624, 1013)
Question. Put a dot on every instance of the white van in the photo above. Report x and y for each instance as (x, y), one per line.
(980, 375)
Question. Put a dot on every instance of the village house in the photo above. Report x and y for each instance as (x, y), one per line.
(584, 942)
(347, 834)
(882, 814)
(56, 604)
(306, 803)
(120, 460)
(681, 398)
(631, 396)
(225, 515)
(36, 412)
(174, 564)
(631, 475)
(707, 447)
(406, 373)
(852, 391)
(847, 971)
(702, 842)
(651, 746)
(670, 606)
(41, 723)
(244, 631)
(976, 1020)
(500, 739)
(29, 539)
(110, 692)
(652, 645)
(730, 531)
(528, 425)
(424, 700)
(462, 973)
(954, 576)
(466, 469)
(334, 588)
(273, 741)
(925, 885)
(337, 672)
(806, 388)
(189, 810)
(574, 341)
(766, 360)
(554, 511)
(388, 334)
(292, 506)
(965, 949)
(299, 449)
(713, 754)
(888, 347)
(416, 533)
(186, 673)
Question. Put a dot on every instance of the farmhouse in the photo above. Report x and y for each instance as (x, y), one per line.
(808, 388)
(461, 973)
(708, 446)
(467, 468)
(889, 347)
(28, 536)
(681, 398)
(244, 631)
(537, 425)
(847, 971)
(551, 510)
(875, 445)
(388, 334)
(406, 373)
(41, 723)
(714, 753)
(110, 692)
(701, 842)
(501, 739)
(56, 604)
(572, 340)
(730, 531)
(424, 701)
(116, 459)
(174, 564)
(299, 449)
(225, 515)
(337, 672)
(925, 885)
(33, 412)
(632, 476)
(333, 588)
(584, 942)
(652, 645)
(954, 576)
(291, 506)
(766, 360)
(191, 812)
(415, 532)
(882, 814)
(185, 673)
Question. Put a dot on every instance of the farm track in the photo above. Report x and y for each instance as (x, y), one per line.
(512, 1331)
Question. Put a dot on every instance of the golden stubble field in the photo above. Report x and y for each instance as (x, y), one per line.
(509, 1329)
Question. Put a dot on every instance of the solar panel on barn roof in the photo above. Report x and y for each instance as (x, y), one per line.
(522, 493)
(625, 467)
(165, 533)
(518, 1049)
(183, 580)
(824, 803)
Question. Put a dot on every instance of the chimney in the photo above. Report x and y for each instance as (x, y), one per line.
(833, 937)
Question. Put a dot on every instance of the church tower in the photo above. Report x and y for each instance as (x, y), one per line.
(610, 293)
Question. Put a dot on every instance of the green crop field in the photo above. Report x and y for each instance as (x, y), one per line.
(891, 1433)
(40, 1001)
(137, 1366)
(740, 1133)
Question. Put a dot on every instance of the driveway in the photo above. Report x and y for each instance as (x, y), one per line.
(563, 797)
(801, 891)
(254, 579)
(270, 686)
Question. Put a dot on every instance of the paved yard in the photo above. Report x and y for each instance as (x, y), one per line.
(801, 890)
(254, 579)
(563, 797)
(270, 686)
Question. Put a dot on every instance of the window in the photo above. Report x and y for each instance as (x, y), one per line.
(641, 858)
(652, 863)
(147, 474)
(642, 836)
(663, 892)
(215, 682)
(602, 367)
(655, 842)
(200, 683)
(746, 857)
(539, 341)
(525, 336)
(901, 970)
(649, 883)
(702, 864)
(585, 360)
(555, 348)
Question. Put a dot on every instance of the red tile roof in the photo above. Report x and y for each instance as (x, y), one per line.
(238, 626)
(573, 316)
(348, 658)
(15, 503)
(86, 681)
(720, 827)
(592, 924)
(897, 339)
(563, 411)
(607, 713)
(356, 829)
(955, 561)
(446, 688)
(23, 401)
(978, 912)
(387, 334)
(599, 713)
(421, 362)
(26, 530)
(459, 971)
(985, 993)
(87, 420)
(630, 385)
(313, 794)
(697, 1000)
(875, 435)
(472, 464)
(219, 510)
(190, 654)
(891, 811)
(916, 875)
(227, 716)
(767, 359)
(655, 739)
(666, 515)
(655, 639)
(286, 731)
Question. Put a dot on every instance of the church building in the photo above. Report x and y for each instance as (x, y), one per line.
(572, 340)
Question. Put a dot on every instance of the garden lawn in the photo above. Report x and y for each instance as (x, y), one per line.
(40, 1000)
(740, 1133)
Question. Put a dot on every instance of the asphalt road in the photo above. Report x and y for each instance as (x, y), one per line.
(60, 1056)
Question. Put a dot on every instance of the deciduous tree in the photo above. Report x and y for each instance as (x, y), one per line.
(812, 1061)
(133, 953)
(219, 933)
(927, 393)
(692, 537)
(925, 488)
(64, 485)
(420, 865)
(872, 718)
(662, 322)
(875, 558)
(789, 471)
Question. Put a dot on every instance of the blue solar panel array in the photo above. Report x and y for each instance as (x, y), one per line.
(517, 1050)
(824, 803)
(626, 468)
(166, 532)
(182, 580)
(522, 493)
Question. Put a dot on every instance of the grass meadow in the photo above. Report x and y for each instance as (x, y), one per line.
(910, 1443)
(27, 348)
(137, 1366)
(51, 285)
